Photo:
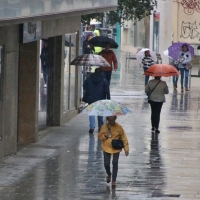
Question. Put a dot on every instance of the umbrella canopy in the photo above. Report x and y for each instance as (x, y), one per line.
(106, 108)
(175, 48)
(101, 41)
(166, 52)
(90, 60)
(140, 55)
(161, 70)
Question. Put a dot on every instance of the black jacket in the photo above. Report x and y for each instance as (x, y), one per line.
(96, 88)
(86, 49)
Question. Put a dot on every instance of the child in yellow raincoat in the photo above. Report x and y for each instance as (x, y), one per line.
(116, 132)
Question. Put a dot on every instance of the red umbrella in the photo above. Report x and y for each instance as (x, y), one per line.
(161, 70)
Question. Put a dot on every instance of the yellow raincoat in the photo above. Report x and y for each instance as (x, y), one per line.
(117, 133)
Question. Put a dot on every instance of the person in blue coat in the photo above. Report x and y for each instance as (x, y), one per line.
(95, 88)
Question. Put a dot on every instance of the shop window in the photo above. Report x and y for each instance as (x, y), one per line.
(69, 73)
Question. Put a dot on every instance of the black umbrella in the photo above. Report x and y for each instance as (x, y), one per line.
(101, 41)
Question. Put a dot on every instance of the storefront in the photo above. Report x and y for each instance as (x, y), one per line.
(21, 31)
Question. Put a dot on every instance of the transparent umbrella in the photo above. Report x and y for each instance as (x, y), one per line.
(106, 108)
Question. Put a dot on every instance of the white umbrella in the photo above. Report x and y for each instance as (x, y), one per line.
(166, 52)
(140, 55)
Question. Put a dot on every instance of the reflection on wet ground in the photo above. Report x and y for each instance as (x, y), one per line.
(68, 162)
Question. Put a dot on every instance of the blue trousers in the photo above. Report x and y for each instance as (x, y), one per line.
(45, 71)
(184, 77)
(175, 80)
(92, 121)
(107, 75)
(146, 77)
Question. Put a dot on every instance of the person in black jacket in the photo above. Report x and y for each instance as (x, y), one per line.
(45, 61)
(96, 88)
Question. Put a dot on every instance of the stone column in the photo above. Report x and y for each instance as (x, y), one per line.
(54, 83)
(28, 93)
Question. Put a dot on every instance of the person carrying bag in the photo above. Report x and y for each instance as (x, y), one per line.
(156, 90)
(110, 132)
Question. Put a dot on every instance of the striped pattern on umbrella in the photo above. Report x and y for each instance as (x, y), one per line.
(161, 70)
(90, 60)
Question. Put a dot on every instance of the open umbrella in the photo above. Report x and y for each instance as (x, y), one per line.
(161, 70)
(90, 60)
(140, 55)
(175, 48)
(106, 108)
(101, 41)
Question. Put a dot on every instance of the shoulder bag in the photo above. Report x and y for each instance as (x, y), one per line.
(152, 91)
(188, 66)
(116, 143)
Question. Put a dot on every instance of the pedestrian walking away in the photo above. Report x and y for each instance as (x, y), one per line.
(156, 90)
(147, 61)
(95, 88)
(108, 132)
(109, 55)
(184, 59)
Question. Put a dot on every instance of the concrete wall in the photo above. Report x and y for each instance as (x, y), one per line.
(9, 39)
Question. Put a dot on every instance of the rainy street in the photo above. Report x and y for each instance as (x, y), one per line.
(67, 163)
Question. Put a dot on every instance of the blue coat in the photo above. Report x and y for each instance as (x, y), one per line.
(96, 88)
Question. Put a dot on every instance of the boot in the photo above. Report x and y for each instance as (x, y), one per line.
(186, 89)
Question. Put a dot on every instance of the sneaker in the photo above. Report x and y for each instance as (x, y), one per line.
(108, 178)
(91, 130)
(186, 89)
(181, 89)
(153, 129)
(45, 85)
(157, 131)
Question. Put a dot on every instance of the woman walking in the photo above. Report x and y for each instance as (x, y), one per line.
(147, 61)
(184, 59)
(108, 132)
(156, 90)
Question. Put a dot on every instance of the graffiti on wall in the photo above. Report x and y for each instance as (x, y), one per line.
(190, 6)
(190, 30)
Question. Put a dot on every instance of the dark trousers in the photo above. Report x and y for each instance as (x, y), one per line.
(107, 75)
(107, 157)
(155, 113)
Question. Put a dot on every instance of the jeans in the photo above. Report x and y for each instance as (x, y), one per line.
(45, 71)
(146, 77)
(175, 80)
(92, 121)
(107, 157)
(155, 113)
(107, 75)
(184, 75)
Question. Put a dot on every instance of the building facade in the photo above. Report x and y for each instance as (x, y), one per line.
(174, 21)
(23, 25)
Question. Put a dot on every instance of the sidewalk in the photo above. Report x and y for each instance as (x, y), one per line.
(68, 163)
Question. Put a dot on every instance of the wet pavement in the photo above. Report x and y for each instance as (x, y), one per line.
(68, 163)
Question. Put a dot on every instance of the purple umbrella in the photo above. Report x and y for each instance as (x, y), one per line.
(176, 47)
